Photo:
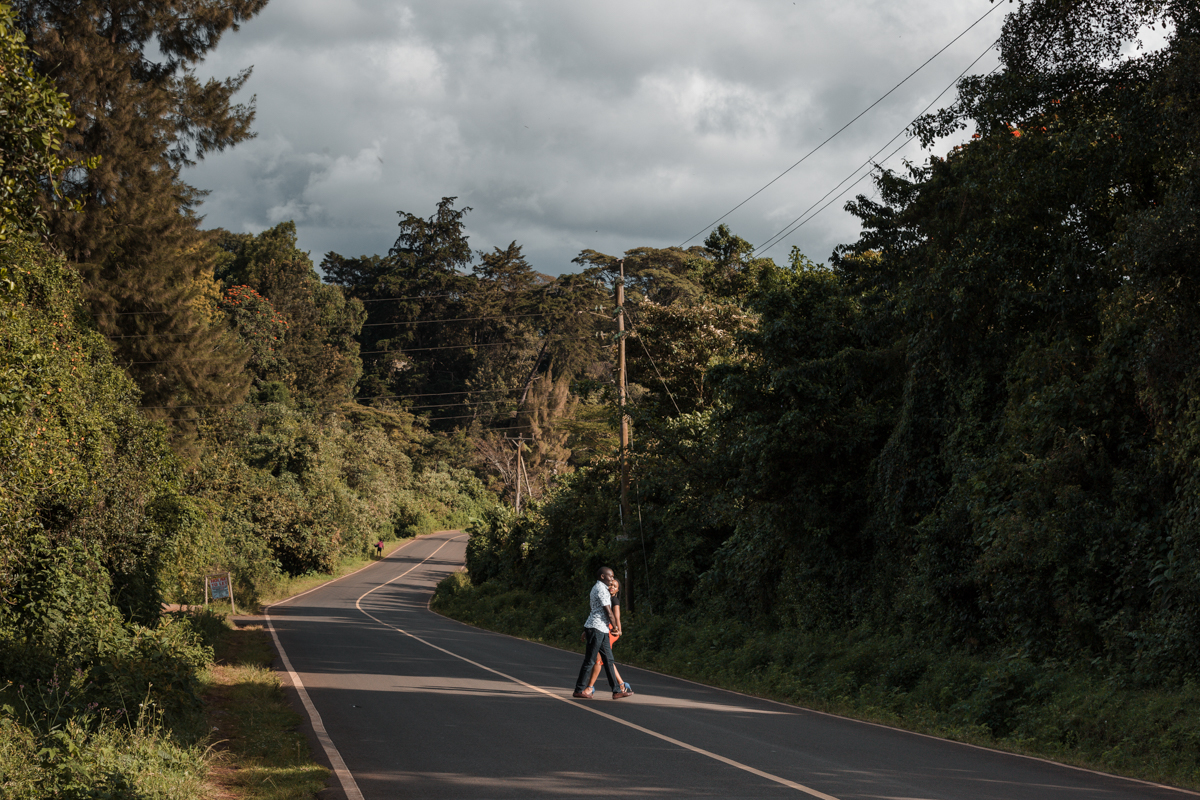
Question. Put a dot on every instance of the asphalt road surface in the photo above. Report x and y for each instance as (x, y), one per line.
(409, 704)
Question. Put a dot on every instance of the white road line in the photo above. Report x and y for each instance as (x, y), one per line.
(738, 765)
(349, 786)
(331, 752)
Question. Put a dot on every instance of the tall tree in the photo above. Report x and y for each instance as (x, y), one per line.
(317, 352)
(414, 335)
(127, 68)
(506, 333)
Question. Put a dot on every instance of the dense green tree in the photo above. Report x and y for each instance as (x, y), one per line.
(83, 468)
(459, 339)
(317, 355)
(1032, 468)
(979, 427)
(33, 118)
(127, 69)
(264, 332)
(510, 338)
(416, 336)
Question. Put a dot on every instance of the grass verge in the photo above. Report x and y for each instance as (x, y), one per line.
(1061, 712)
(74, 758)
(259, 752)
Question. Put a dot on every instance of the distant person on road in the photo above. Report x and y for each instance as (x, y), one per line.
(379, 549)
(597, 630)
(614, 587)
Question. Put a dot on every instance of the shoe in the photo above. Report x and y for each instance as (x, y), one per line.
(625, 687)
(586, 694)
(620, 694)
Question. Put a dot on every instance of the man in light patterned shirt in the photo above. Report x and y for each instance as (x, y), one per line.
(596, 628)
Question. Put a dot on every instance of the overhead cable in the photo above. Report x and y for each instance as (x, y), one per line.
(844, 127)
(800, 221)
(396, 351)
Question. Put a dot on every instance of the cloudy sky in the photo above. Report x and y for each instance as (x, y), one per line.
(574, 124)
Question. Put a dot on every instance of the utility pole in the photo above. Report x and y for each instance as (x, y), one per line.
(521, 471)
(518, 468)
(621, 396)
(524, 469)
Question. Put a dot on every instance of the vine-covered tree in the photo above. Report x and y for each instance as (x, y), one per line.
(33, 118)
(1042, 279)
(318, 349)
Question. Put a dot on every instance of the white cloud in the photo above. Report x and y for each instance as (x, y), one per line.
(571, 125)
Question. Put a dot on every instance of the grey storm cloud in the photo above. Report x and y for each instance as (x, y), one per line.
(572, 125)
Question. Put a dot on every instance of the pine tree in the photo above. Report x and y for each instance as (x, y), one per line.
(126, 67)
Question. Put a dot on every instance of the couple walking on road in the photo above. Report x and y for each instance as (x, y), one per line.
(602, 628)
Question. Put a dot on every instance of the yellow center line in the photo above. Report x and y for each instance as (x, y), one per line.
(698, 750)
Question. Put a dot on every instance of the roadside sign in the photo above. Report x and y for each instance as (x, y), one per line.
(219, 586)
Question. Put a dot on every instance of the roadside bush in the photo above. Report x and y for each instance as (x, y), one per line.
(88, 758)
(281, 492)
(61, 635)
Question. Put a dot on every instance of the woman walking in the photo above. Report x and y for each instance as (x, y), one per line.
(614, 586)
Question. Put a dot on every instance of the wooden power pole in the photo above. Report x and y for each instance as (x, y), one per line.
(621, 397)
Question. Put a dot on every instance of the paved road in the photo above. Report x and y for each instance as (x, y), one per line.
(418, 706)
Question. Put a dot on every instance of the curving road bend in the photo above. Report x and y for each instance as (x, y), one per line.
(409, 704)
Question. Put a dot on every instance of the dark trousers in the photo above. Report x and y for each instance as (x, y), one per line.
(597, 643)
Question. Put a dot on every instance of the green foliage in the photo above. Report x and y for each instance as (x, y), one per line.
(550, 546)
(280, 491)
(104, 762)
(92, 686)
(451, 586)
(140, 115)
(262, 329)
(463, 348)
(33, 117)
(418, 280)
(301, 331)
(978, 428)
(83, 468)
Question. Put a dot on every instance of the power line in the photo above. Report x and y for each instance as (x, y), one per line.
(839, 195)
(370, 325)
(401, 351)
(455, 319)
(410, 297)
(355, 400)
(443, 394)
(844, 127)
(796, 224)
(347, 296)
(398, 351)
